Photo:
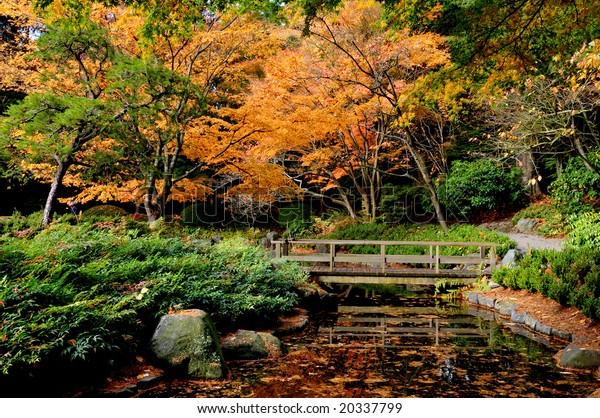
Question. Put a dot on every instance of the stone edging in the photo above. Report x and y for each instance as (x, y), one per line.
(506, 308)
(573, 355)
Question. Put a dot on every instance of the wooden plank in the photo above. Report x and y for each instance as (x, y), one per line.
(345, 279)
(387, 243)
(408, 259)
(383, 319)
(398, 310)
(308, 258)
(459, 259)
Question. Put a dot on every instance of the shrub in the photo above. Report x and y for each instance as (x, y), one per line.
(103, 213)
(79, 297)
(18, 223)
(585, 231)
(203, 213)
(474, 186)
(570, 277)
(577, 189)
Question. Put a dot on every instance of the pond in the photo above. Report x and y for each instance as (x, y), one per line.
(398, 347)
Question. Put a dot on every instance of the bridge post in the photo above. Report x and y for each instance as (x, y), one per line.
(331, 256)
(492, 259)
(431, 255)
(277, 250)
(383, 258)
(437, 258)
(285, 248)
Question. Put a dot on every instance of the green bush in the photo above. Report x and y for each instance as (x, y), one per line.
(103, 213)
(585, 231)
(570, 277)
(79, 297)
(475, 186)
(18, 223)
(577, 189)
(296, 219)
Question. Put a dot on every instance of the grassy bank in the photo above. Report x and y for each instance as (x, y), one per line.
(77, 297)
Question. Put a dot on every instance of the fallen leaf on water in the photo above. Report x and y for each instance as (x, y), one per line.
(343, 380)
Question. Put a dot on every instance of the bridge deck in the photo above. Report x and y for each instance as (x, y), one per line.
(392, 275)
(330, 261)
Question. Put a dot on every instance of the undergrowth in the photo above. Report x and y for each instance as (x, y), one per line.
(83, 296)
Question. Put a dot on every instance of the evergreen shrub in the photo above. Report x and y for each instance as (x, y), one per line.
(475, 186)
(577, 189)
(570, 277)
(80, 297)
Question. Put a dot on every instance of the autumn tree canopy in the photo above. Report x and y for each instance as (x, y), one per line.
(152, 102)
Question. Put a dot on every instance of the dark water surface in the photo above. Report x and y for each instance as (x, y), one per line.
(401, 347)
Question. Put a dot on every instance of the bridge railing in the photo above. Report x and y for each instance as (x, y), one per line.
(328, 251)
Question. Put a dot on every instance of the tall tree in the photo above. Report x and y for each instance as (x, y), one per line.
(343, 110)
(53, 126)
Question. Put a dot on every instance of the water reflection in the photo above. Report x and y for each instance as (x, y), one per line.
(391, 327)
(400, 347)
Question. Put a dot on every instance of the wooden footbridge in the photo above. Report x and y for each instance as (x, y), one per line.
(330, 261)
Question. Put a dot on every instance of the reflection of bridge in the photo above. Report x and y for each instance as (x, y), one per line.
(329, 260)
(407, 331)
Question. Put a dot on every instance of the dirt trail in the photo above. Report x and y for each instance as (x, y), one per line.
(526, 242)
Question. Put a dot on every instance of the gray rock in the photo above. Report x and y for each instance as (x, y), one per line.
(474, 297)
(526, 226)
(251, 345)
(486, 301)
(291, 326)
(187, 340)
(216, 239)
(308, 297)
(505, 307)
(561, 334)
(544, 329)
(575, 355)
(530, 321)
(148, 381)
(493, 285)
(265, 243)
(322, 249)
(273, 236)
(518, 317)
(511, 259)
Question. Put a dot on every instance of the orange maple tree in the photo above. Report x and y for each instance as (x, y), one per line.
(335, 107)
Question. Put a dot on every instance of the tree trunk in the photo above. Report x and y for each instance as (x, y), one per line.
(61, 170)
(422, 167)
(149, 198)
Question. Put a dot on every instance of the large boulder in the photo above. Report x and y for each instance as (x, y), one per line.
(575, 355)
(526, 226)
(187, 341)
(251, 345)
(511, 259)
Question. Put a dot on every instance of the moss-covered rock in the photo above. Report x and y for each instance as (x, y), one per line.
(575, 355)
(187, 341)
(251, 345)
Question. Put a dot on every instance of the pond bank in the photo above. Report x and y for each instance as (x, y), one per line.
(550, 313)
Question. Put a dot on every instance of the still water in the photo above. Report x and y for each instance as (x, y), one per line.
(401, 347)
